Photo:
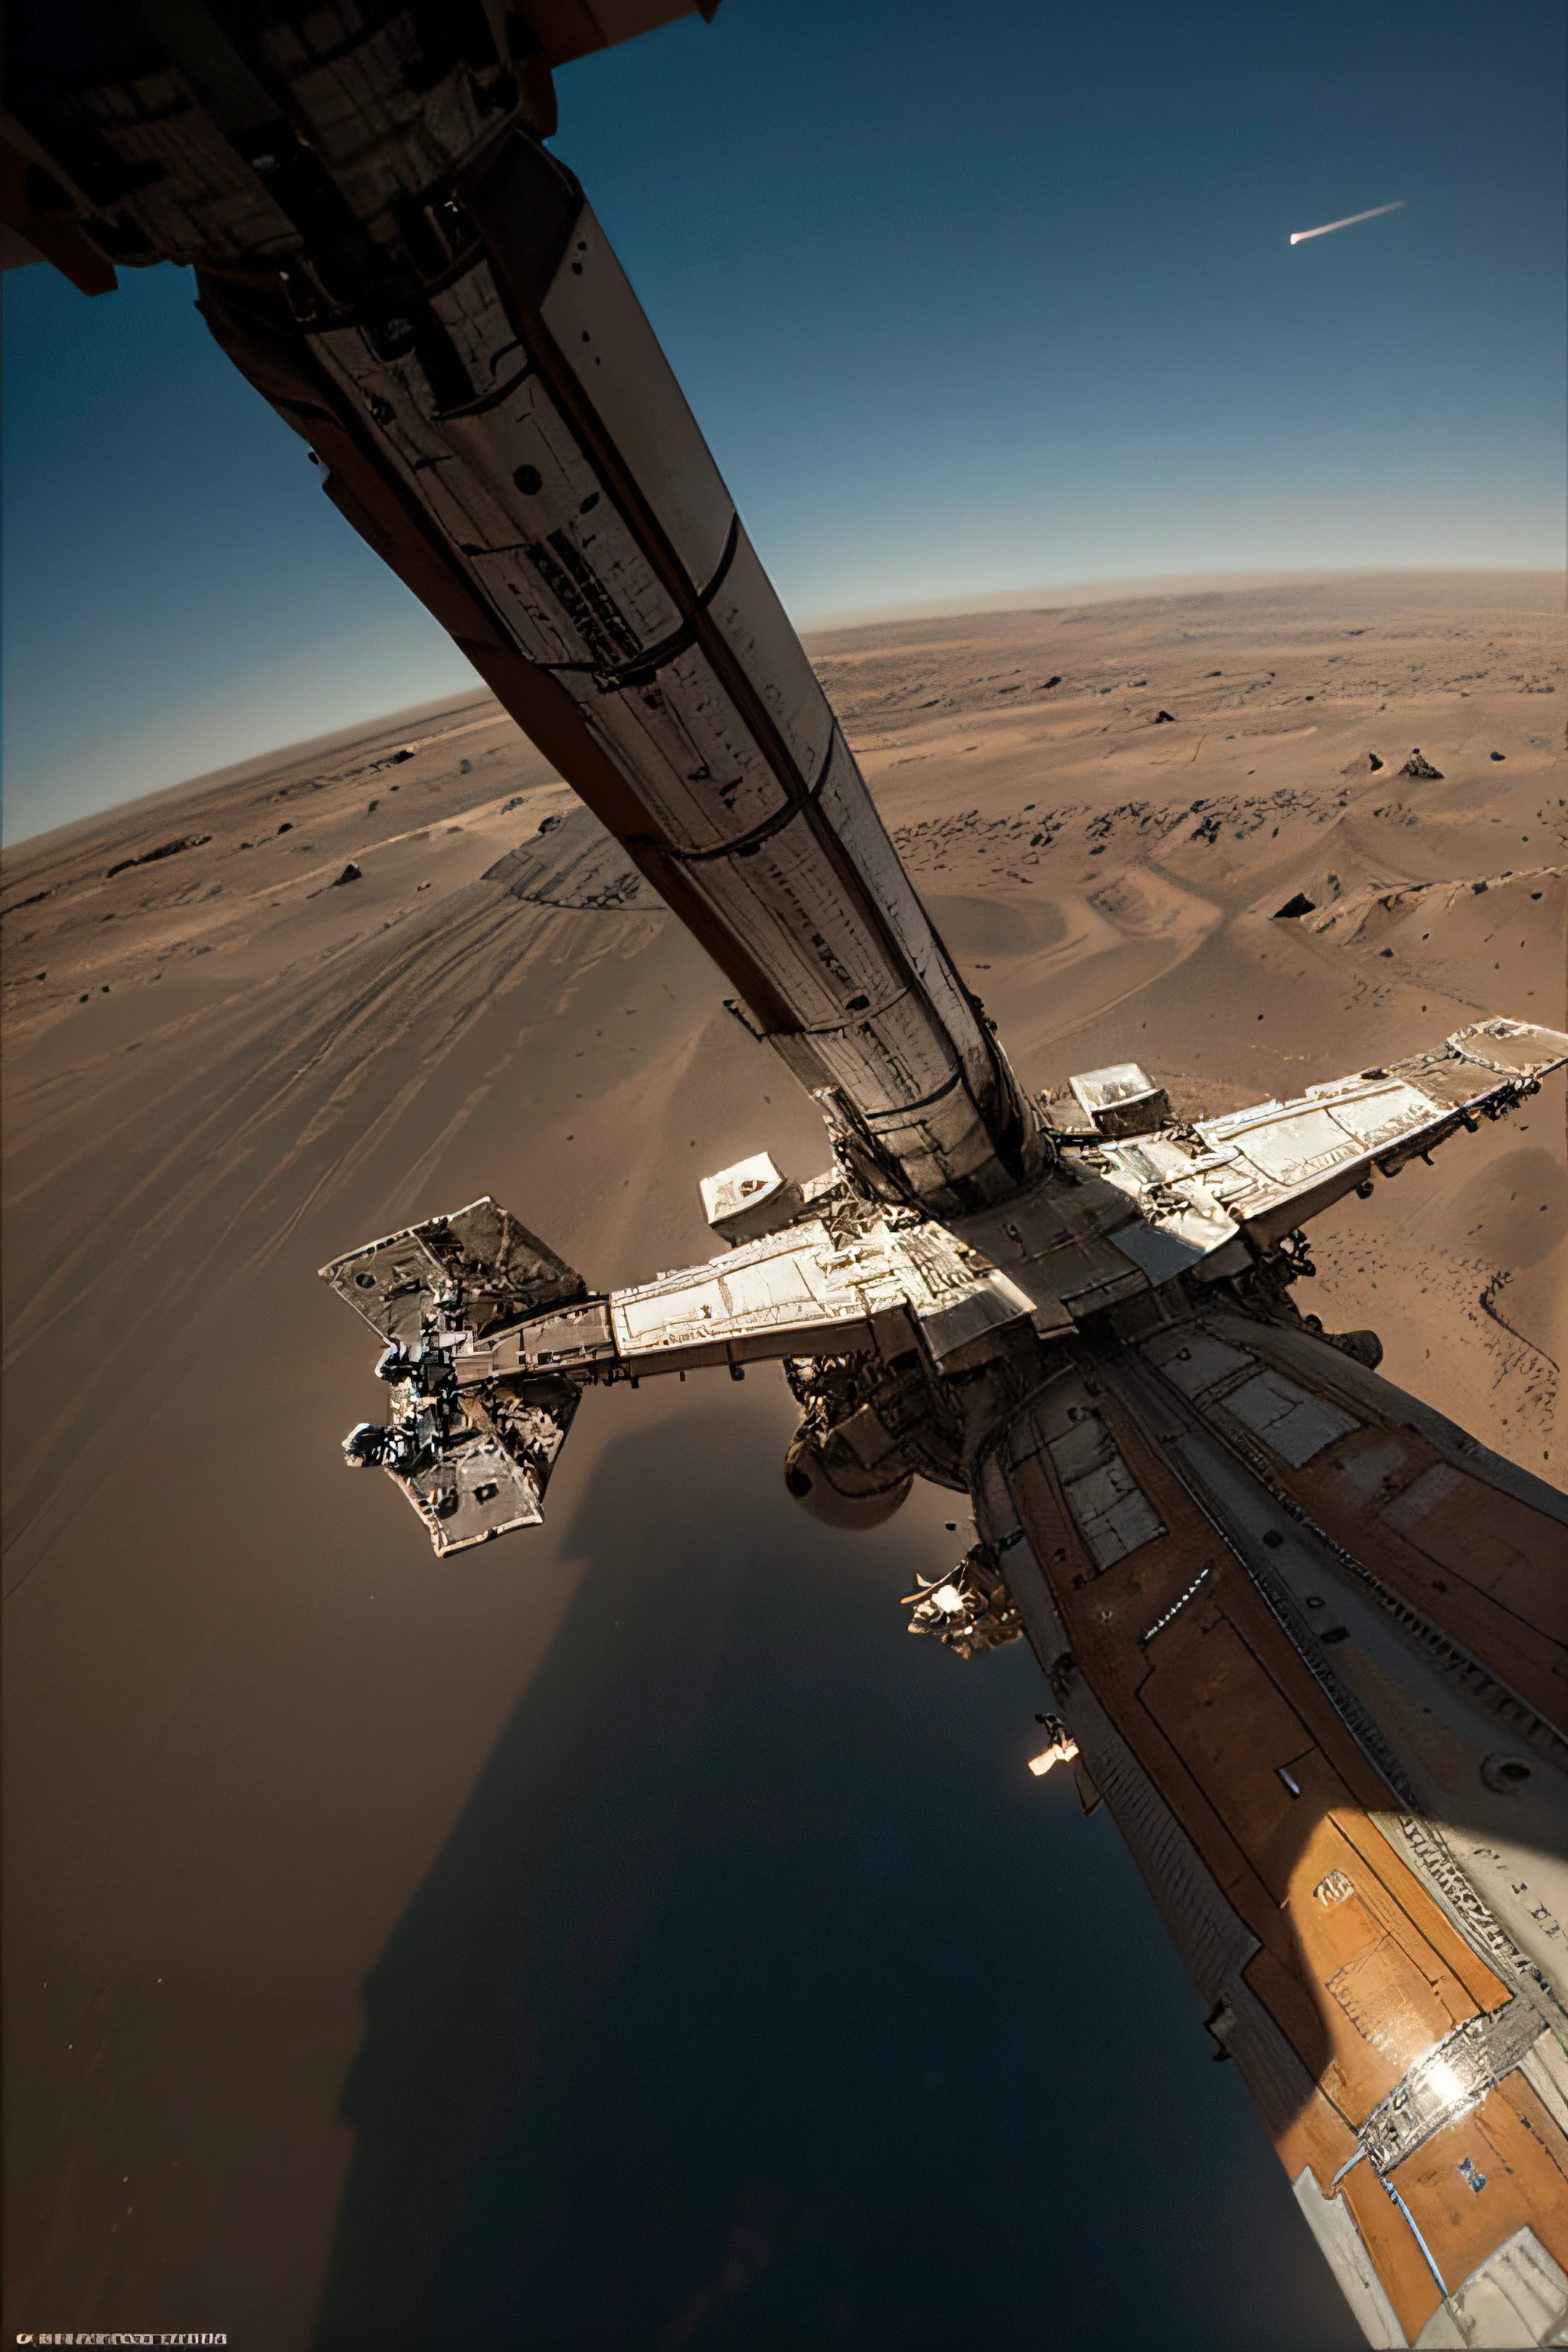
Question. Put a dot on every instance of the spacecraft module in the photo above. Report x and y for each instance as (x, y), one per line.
(1304, 1638)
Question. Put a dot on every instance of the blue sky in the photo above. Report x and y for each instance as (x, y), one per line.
(967, 301)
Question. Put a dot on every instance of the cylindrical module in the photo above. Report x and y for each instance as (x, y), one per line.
(527, 463)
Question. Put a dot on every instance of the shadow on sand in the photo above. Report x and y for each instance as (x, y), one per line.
(759, 1997)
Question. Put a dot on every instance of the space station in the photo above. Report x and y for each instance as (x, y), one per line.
(1304, 1639)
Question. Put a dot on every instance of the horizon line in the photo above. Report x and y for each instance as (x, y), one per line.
(1062, 595)
(1137, 585)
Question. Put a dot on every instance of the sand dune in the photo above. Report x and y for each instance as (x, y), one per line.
(264, 1017)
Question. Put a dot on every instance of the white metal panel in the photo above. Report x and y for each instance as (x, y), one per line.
(643, 1319)
(1422, 1496)
(1380, 1116)
(1111, 1511)
(1295, 1144)
(746, 608)
(1118, 1082)
(1196, 1360)
(1339, 2242)
(1518, 2296)
(599, 324)
(774, 1282)
(1163, 1250)
(1367, 1471)
(990, 1305)
(749, 1184)
(1293, 1425)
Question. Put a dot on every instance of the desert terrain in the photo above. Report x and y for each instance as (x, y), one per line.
(570, 1944)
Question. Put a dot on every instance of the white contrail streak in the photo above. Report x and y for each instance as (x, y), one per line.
(1300, 235)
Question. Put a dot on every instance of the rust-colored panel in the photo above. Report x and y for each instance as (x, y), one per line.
(1515, 1551)
(1396, 1895)
(1384, 1995)
(1103, 1629)
(1378, 2009)
(1358, 1965)
(1538, 2127)
(1463, 2224)
(1491, 1540)
(1277, 1975)
(1319, 2139)
(1481, 1562)
(1390, 2240)
(1235, 1730)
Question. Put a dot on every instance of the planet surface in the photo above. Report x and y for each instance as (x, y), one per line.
(625, 1935)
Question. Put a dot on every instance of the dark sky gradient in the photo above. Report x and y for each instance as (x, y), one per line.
(967, 300)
